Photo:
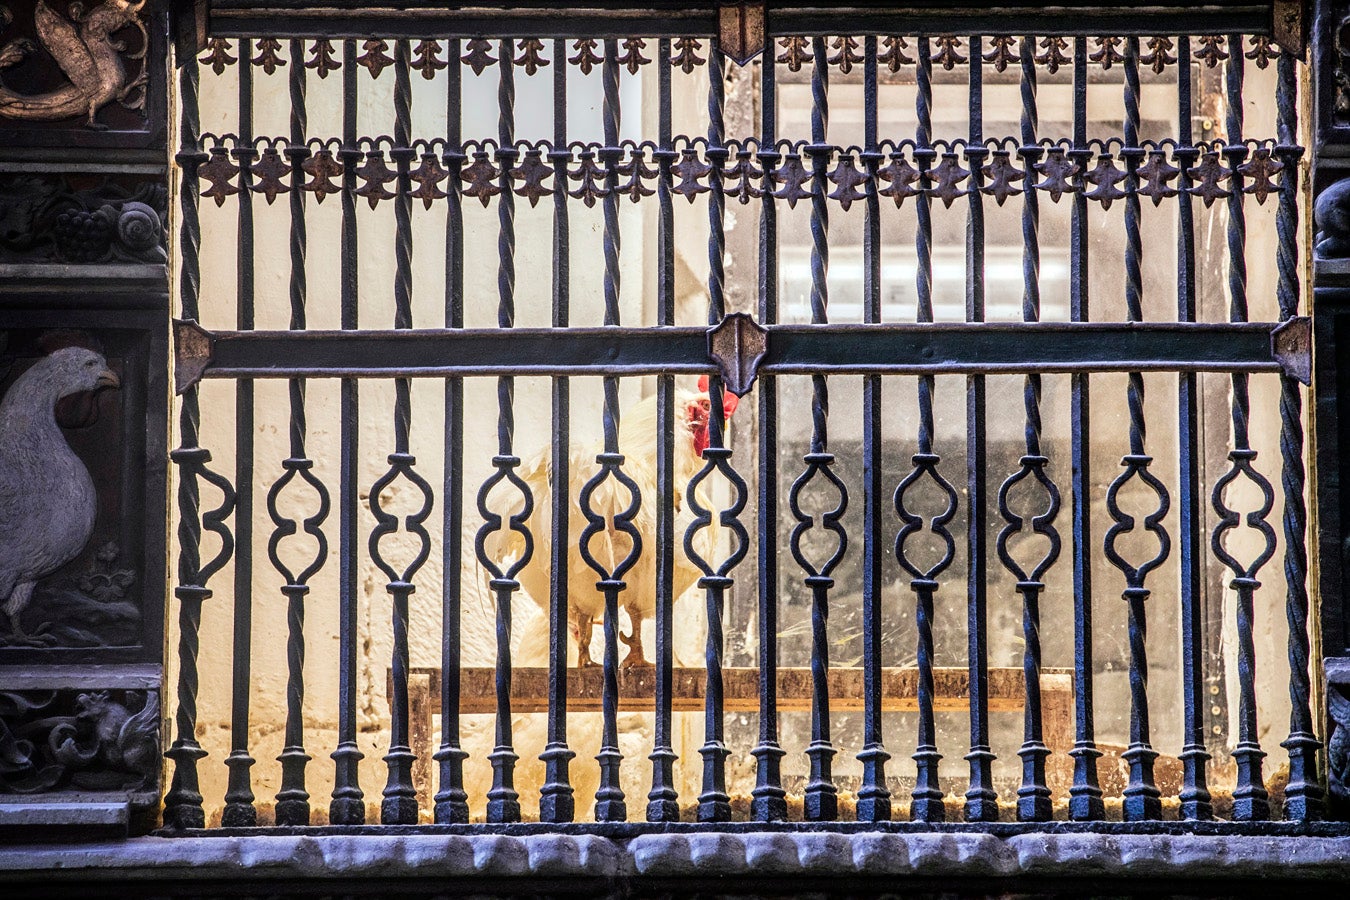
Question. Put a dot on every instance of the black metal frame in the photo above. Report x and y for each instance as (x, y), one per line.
(918, 168)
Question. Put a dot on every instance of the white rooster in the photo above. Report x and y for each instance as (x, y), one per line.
(47, 499)
(637, 443)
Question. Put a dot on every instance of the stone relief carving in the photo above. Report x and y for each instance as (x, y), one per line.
(89, 55)
(92, 741)
(48, 502)
(42, 219)
(1338, 746)
(1331, 215)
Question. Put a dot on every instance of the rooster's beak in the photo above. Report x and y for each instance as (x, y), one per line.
(108, 378)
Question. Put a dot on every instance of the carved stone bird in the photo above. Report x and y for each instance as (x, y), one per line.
(85, 50)
(47, 499)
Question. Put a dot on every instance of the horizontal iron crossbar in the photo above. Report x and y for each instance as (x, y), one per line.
(602, 19)
(901, 348)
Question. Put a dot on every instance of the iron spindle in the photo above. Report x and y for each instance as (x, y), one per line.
(874, 800)
(503, 799)
(1194, 795)
(981, 800)
(663, 800)
(1085, 796)
(452, 801)
(1033, 804)
(400, 795)
(556, 801)
(609, 798)
(926, 804)
(183, 802)
(714, 804)
(821, 801)
(348, 803)
(239, 810)
(293, 799)
(768, 799)
(1303, 795)
(1142, 798)
(1250, 799)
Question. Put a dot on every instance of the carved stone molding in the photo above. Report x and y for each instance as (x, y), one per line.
(86, 741)
(46, 218)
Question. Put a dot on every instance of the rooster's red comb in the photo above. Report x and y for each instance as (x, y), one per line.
(729, 400)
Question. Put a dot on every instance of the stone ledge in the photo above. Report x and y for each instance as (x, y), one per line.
(693, 855)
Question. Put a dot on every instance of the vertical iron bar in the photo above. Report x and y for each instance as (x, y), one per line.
(609, 798)
(348, 803)
(293, 800)
(503, 799)
(768, 799)
(1250, 798)
(556, 803)
(452, 801)
(1085, 796)
(821, 802)
(1033, 796)
(1194, 796)
(399, 806)
(183, 801)
(1303, 797)
(1141, 795)
(662, 800)
(926, 800)
(714, 804)
(981, 800)
(239, 810)
(874, 800)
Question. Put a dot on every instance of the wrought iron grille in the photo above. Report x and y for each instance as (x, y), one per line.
(761, 519)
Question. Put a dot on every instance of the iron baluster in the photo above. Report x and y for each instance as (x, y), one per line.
(1142, 798)
(400, 796)
(348, 804)
(927, 797)
(1085, 796)
(556, 801)
(503, 799)
(293, 799)
(768, 799)
(183, 802)
(452, 801)
(1033, 804)
(609, 798)
(1250, 798)
(874, 800)
(663, 800)
(821, 801)
(239, 810)
(981, 800)
(1303, 795)
(1194, 795)
(714, 804)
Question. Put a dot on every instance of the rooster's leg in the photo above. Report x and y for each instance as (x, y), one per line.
(584, 625)
(634, 658)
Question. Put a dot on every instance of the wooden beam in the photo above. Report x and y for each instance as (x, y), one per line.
(899, 687)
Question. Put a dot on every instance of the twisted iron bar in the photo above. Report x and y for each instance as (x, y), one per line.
(293, 799)
(1250, 798)
(183, 802)
(1303, 794)
(1142, 797)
